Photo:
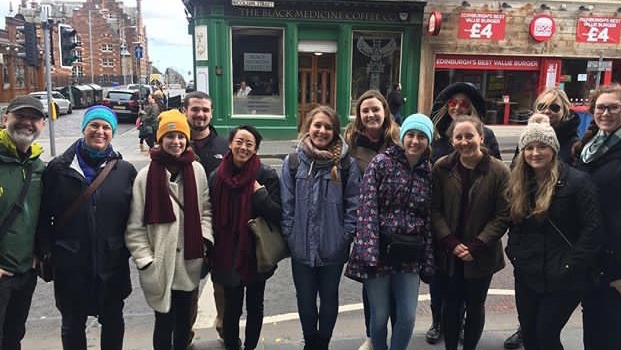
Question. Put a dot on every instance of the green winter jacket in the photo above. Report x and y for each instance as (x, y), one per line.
(17, 245)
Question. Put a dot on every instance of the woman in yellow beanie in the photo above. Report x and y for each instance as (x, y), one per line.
(169, 231)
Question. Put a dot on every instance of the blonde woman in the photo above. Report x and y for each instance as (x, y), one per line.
(319, 202)
(553, 238)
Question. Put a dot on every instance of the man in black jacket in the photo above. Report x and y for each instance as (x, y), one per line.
(210, 148)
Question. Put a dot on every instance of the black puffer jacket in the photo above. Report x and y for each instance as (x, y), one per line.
(90, 248)
(213, 150)
(606, 174)
(542, 258)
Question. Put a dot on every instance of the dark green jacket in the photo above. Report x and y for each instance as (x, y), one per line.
(17, 245)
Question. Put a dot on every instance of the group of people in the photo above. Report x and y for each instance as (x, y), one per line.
(389, 206)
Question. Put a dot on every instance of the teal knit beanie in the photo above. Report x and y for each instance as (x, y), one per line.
(418, 122)
(100, 112)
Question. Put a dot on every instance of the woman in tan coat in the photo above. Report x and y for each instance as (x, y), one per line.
(169, 231)
(469, 216)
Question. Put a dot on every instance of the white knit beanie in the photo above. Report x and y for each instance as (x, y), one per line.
(539, 130)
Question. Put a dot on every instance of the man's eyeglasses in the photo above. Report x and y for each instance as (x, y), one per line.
(554, 107)
(454, 102)
(612, 108)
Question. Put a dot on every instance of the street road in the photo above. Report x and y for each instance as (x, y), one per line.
(44, 319)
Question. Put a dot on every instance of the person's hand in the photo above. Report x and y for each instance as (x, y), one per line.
(257, 186)
(461, 251)
(616, 285)
(4, 273)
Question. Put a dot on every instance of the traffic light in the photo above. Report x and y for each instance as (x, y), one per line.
(67, 44)
(29, 42)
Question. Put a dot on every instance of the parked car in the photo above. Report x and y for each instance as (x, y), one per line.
(145, 90)
(63, 105)
(124, 102)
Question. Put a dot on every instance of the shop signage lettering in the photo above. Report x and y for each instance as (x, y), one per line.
(542, 27)
(603, 30)
(482, 25)
(250, 3)
(257, 62)
(483, 62)
(319, 14)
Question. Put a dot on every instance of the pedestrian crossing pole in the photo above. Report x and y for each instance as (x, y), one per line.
(46, 26)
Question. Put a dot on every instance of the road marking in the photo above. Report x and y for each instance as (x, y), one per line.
(207, 308)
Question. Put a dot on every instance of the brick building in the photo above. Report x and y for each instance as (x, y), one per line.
(107, 30)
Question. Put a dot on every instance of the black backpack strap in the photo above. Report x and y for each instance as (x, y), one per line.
(294, 162)
(18, 205)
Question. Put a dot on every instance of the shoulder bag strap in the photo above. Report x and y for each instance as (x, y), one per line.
(18, 205)
(85, 195)
(560, 233)
(174, 196)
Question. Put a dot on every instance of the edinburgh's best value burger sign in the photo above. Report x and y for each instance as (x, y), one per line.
(482, 25)
(602, 30)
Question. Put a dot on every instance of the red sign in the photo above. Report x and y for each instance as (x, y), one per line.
(602, 30)
(487, 62)
(435, 23)
(482, 25)
(542, 27)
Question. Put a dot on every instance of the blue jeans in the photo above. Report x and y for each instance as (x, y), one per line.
(403, 287)
(310, 281)
(15, 298)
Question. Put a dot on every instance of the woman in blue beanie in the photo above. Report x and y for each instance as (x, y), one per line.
(86, 243)
(393, 245)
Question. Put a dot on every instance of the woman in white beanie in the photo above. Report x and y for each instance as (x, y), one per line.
(554, 235)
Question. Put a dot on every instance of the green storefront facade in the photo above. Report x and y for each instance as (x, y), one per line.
(268, 63)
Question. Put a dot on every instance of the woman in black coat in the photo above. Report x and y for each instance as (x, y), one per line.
(554, 238)
(242, 188)
(89, 256)
(601, 158)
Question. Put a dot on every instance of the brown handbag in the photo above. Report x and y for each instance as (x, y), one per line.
(270, 245)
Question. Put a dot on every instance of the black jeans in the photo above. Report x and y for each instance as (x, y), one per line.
(601, 318)
(15, 298)
(233, 303)
(172, 329)
(110, 317)
(543, 315)
(472, 293)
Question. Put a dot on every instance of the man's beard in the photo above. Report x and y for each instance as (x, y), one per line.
(21, 140)
(199, 127)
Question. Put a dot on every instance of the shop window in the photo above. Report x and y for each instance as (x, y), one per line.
(19, 76)
(257, 71)
(376, 60)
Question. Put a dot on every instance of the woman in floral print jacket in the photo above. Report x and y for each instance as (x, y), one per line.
(395, 198)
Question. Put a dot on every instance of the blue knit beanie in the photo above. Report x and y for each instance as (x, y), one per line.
(418, 122)
(100, 112)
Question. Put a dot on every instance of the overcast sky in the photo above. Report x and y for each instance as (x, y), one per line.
(169, 43)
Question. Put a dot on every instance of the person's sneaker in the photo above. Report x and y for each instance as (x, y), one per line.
(514, 341)
(367, 345)
(434, 334)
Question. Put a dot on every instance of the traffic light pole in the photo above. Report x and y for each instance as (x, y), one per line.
(45, 25)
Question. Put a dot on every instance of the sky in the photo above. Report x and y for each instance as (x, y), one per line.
(166, 25)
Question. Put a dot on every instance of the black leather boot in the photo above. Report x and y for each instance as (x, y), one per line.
(434, 333)
(515, 340)
(310, 343)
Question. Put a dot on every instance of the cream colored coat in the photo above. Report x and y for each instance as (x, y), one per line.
(162, 244)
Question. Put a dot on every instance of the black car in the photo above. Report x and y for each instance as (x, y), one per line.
(124, 102)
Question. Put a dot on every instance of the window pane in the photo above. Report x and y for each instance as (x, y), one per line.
(257, 74)
(376, 62)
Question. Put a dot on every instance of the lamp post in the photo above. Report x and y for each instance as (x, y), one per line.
(90, 40)
(124, 55)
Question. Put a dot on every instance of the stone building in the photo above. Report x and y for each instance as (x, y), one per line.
(513, 50)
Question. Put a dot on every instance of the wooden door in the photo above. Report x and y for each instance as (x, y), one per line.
(317, 82)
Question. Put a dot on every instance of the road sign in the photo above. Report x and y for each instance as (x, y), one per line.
(606, 66)
(138, 52)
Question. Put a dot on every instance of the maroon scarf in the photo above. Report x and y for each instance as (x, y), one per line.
(158, 205)
(232, 208)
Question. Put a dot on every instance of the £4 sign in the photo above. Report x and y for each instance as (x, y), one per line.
(482, 25)
(603, 30)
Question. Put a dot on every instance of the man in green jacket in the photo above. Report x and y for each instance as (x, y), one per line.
(19, 166)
